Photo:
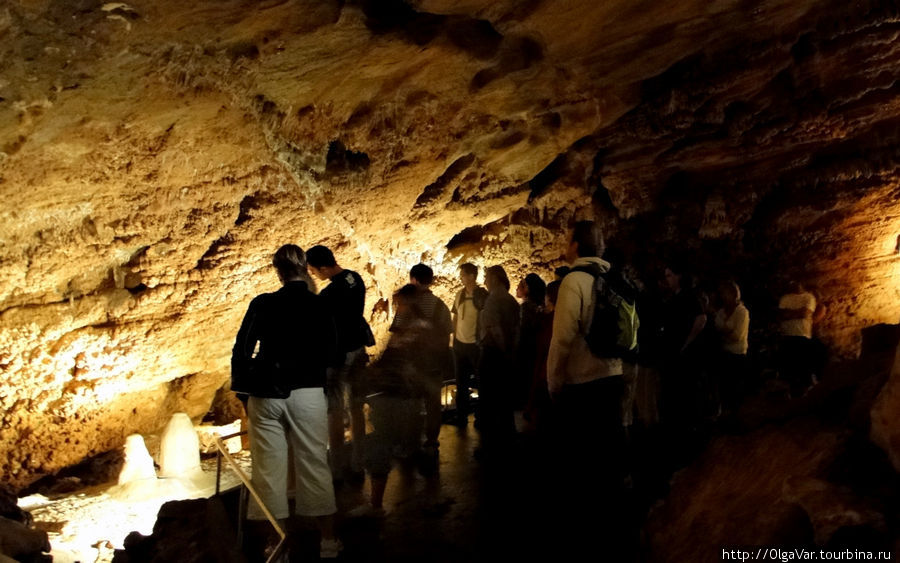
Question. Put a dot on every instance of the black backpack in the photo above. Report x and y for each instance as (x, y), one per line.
(614, 326)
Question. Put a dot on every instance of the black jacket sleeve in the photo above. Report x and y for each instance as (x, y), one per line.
(244, 345)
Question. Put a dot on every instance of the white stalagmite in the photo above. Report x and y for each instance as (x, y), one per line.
(179, 450)
(138, 463)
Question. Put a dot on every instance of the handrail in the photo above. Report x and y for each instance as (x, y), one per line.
(223, 453)
(219, 456)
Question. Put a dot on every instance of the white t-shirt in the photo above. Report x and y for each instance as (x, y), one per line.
(466, 318)
(798, 327)
(734, 329)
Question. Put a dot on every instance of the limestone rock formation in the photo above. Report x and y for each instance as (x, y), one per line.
(20, 543)
(733, 495)
(885, 422)
(154, 153)
(830, 508)
(196, 530)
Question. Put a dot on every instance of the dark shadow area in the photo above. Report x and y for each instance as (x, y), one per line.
(435, 189)
(341, 160)
(517, 53)
(545, 178)
(209, 258)
(469, 235)
(476, 37)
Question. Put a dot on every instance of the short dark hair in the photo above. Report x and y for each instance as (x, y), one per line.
(589, 238)
(536, 288)
(499, 274)
(469, 269)
(422, 274)
(320, 257)
(680, 269)
(290, 261)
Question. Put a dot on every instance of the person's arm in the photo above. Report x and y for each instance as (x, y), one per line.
(819, 314)
(498, 328)
(444, 321)
(244, 346)
(734, 328)
(396, 322)
(565, 330)
(696, 329)
(489, 321)
(454, 310)
(743, 324)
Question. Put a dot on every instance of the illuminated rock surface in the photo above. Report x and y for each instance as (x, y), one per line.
(155, 153)
(88, 525)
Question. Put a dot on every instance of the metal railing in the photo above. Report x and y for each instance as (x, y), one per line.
(222, 453)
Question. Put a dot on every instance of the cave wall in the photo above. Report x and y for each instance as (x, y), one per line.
(155, 153)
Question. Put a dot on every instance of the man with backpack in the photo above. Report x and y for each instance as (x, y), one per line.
(466, 308)
(584, 377)
(574, 372)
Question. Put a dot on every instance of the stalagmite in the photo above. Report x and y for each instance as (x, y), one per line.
(179, 450)
(138, 463)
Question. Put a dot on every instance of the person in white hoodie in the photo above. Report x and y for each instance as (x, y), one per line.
(572, 370)
(587, 392)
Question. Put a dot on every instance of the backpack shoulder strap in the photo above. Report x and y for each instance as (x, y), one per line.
(584, 324)
(592, 269)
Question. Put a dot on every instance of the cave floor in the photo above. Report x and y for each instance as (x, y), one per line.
(471, 510)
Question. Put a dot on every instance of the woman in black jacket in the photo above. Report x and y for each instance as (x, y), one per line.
(285, 382)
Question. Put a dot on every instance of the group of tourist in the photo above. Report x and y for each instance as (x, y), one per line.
(300, 363)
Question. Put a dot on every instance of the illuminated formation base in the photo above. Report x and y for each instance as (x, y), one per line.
(179, 451)
(138, 463)
(93, 522)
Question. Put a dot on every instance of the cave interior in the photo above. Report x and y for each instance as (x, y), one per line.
(155, 153)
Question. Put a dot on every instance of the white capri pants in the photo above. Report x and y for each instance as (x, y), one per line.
(298, 424)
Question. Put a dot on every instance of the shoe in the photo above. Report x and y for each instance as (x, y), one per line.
(330, 549)
(366, 511)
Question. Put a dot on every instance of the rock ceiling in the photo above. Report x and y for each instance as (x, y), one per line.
(154, 154)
